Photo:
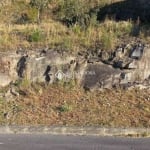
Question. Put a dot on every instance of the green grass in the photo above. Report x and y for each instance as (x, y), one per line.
(65, 108)
(36, 36)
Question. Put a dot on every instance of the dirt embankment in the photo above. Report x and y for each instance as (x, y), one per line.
(56, 105)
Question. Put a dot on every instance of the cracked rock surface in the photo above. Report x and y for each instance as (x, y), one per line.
(126, 66)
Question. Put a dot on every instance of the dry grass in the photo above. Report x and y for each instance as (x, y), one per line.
(53, 34)
(56, 105)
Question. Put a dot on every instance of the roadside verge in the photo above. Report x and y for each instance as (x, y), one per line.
(84, 131)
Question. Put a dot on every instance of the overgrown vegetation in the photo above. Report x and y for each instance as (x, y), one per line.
(73, 12)
(40, 5)
(36, 36)
(71, 25)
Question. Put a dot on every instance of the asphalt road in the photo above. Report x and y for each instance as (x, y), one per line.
(49, 142)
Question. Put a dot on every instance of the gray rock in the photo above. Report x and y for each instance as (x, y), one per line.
(13, 91)
(104, 56)
(143, 66)
(93, 60)
(133, 65)
(4, 80)
(137, 52)
(99, 76)
(91, 69)
(122, 63)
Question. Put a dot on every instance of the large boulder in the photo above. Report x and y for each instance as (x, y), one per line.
(44, 68)
(98, 76)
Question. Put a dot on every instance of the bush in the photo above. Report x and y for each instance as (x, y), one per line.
(36, 36)
(73, 12)
(65, 108)
(23, 12)
(29, 16)
(40, 5)
(32, 14)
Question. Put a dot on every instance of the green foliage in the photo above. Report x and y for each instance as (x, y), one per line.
(25, 83)
(29, 16)
(65, 108)
(32, 14)
(93, 20)
(39, 4)
(82, 12)
(73, 11)
(22, 83)
(70, 84)
(36, 36)
(76, 29)
(128, 28)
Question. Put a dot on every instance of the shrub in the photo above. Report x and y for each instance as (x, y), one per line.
(29, 16)
(39, 5)
(32, 15)
(65, 108)
(24, 13)
(36, 36)
(73, 11)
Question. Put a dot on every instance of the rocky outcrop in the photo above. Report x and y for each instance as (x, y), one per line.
(127, 66)
(99, 76)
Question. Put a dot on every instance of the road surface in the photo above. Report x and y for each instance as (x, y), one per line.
(49, 142)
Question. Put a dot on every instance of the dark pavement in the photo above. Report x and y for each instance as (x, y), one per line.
(49, 142)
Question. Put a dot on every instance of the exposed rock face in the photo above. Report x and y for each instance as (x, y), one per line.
(126, 66)
(8, 73)
(43, 67)
(100, 75)
(142, 66)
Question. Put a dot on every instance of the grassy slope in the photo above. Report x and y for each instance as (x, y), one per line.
(56, 105)
(52, 33)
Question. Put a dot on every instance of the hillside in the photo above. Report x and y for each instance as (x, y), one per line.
(75, 62)
(67, 25)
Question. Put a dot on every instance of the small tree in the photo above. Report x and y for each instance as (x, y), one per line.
(40, 5)
(73, 11)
